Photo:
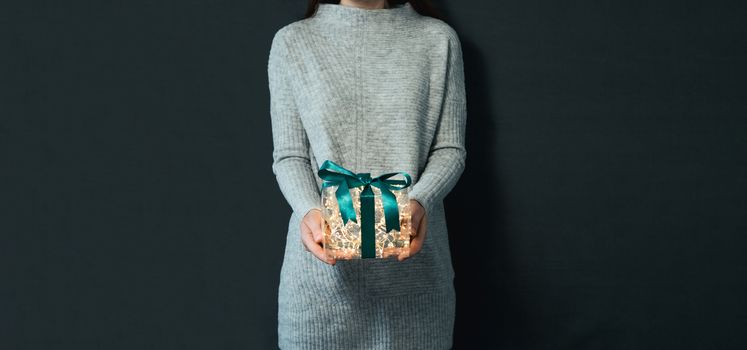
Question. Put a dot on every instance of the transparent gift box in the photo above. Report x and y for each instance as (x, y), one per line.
(343, 241)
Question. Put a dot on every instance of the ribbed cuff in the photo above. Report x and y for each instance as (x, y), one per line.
(309, 208)
(425, 202)
(298, 186)
(426, 199)
(305, 200)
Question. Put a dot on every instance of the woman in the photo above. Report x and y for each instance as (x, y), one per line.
(376, 87)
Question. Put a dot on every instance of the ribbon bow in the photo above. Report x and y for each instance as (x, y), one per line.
(335, 175)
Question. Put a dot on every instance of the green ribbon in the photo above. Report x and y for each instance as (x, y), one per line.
(335, 175)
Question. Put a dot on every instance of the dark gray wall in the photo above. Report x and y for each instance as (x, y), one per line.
(601, 208)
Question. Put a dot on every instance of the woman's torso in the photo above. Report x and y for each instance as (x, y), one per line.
(370, 98)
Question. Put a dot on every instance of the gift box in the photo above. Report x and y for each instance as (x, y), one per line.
(364, 217)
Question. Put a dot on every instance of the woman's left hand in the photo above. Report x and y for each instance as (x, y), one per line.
(419, 228)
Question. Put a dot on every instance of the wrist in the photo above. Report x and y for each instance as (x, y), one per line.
(310, 210)
(422, 203)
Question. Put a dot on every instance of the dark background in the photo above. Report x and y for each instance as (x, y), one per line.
(602, 206)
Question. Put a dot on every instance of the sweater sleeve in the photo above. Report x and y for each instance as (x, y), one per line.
(447, 156)
(291, 163)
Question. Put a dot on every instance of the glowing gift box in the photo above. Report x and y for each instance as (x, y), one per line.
(364, 217)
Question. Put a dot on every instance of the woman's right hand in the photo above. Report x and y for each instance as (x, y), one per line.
(312, 235)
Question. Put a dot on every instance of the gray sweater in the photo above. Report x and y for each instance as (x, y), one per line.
(375, 91)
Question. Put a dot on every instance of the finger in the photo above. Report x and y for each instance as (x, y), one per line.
(417, 221)
(419, 226)
(423, 225)
(314, 222)
(415, 225)
(317, 229)
(416, 244)
(316, 249)
(401, 257)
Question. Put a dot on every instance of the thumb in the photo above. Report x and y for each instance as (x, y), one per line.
(414, 225)
(316, 228)
(313, 222)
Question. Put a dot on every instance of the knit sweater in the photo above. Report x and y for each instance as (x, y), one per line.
(378, 91)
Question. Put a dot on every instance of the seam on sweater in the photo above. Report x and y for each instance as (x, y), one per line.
(358, 108)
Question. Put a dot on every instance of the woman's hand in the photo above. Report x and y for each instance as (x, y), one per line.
(312, 235)
(419, 228)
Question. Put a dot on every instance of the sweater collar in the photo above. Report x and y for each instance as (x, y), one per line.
(344, 14)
